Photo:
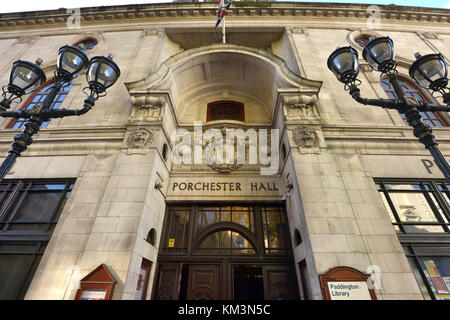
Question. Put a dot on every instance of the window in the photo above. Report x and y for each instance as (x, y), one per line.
(419, 211)
(143, 277)
(164, 151)
(242, 215)
(37, 98)
(29, 211)
(362, 40)
(421, 207)
(226, 229)
(283, 152)
(178, 227)
(297, 237)
(226, 242)
(225, 110)
(151, 237)
(433, 119)
(86, 44)
(431, 268)
(275, 229)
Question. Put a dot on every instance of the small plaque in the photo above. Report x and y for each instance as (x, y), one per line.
(349, 290)
(346, 283)
(171, 242)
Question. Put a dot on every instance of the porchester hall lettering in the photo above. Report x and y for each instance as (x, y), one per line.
(224, 186)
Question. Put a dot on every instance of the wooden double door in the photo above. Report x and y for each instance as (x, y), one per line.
(225, 280)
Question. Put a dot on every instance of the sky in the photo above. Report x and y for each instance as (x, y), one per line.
(32, 5)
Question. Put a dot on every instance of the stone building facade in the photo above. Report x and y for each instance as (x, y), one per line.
(353, 187)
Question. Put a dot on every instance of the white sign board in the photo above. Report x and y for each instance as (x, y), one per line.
(93, 294)
(349, 290)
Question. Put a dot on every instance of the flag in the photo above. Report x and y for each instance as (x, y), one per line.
(222, 11)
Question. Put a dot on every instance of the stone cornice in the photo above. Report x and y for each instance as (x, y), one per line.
(138, 13)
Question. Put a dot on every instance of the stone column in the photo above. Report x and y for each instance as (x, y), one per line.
(341, 217)
(112, 208)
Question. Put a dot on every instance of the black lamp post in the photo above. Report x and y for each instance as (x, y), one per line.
(429, 71)
(26, 76)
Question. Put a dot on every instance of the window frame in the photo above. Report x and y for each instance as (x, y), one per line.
(193, 237)
(88, 48)
(234, 104)
(409, 241)
(434, 190)
(411, 253)
(362, 37)
(13, 193)
(25, 105)
(16, 199)
(389, 90)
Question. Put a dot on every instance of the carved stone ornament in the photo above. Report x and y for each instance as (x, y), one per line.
(305, 137)
(139, 139)
(300, 107)
(146, 109)
(25, 40)
(431, 36)
(225, 167)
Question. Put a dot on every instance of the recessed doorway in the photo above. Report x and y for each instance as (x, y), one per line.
(248, 282)
(224, 252)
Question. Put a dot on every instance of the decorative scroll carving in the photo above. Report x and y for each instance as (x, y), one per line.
(139, 138)
(209, 160)
(146, 109)
(225, 167)
(25, 40)
(300, 107)
(307, 139)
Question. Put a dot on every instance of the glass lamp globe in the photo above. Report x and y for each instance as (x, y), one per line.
(25, 77)
(430, 71)
(103, 72)
(379, 53)
(71, 61)
(343, 62)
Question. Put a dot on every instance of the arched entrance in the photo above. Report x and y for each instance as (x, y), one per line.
(218, 251)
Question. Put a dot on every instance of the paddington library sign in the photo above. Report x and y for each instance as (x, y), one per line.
(237, 187)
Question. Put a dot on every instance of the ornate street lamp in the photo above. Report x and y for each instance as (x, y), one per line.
(429, 71)
(27, 76)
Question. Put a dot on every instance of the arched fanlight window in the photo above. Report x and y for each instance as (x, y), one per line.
(433, 119)
(226, 242)
(86, 44)
(362, 40)
(225, 110)
(37, 98)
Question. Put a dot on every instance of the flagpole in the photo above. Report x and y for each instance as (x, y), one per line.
(223, 31)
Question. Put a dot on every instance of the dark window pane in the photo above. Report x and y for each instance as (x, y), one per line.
(225, 111)
(275, 229)
(13, 272)
(38, 206)
(178, 224)
(226, 242)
